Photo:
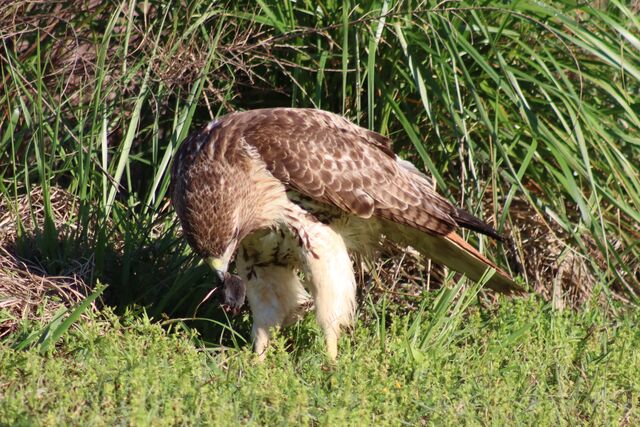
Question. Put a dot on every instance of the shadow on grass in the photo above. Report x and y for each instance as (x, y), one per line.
(156, 278)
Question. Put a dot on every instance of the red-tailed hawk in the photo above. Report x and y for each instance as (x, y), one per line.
(293, 191)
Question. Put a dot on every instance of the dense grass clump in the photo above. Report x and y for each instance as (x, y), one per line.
(524, 113)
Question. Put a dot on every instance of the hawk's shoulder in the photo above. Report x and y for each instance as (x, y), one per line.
(326, 157)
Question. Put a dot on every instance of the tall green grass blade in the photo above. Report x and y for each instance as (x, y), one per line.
(374, 40)
(345, 52)
(52, 334)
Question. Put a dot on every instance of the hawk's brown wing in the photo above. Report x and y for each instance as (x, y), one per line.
(324, 156)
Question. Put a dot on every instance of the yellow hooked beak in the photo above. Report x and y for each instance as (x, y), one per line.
(218, 265)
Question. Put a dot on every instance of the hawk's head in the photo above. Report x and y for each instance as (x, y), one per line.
(222, 190)
(212, 195)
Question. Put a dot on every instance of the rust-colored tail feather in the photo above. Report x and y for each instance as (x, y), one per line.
(473, 264)
(452, 251)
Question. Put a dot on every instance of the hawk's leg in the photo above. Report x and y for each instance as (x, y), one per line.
(275, 296)
(328, 273)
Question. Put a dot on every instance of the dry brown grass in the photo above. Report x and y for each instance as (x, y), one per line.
(242, 57)
(27, 290)
(552, 267)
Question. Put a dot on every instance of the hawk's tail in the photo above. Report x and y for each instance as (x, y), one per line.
(467, 260)
(452, 251)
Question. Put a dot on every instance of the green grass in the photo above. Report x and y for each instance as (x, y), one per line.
(524, 113)
(524, 364)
